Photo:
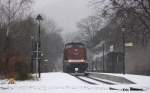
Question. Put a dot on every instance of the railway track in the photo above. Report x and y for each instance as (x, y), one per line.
(85, 80)
(102, 81)
(92, 80)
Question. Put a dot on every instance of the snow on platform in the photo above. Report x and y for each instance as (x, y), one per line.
(61, 83)
(138, 79)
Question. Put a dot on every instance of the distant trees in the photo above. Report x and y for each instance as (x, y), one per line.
(52, 46)
(88, 28)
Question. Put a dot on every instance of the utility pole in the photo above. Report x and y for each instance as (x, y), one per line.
(123, 41)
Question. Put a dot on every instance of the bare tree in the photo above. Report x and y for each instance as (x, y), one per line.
(139, 8)
(89, 26)
(10, 11)
(13, 9)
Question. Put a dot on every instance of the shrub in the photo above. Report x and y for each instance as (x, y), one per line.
(22, 71)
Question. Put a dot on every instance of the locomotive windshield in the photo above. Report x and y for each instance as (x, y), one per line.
(74, 45)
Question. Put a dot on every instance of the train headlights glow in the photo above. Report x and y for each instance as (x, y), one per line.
(81, 60)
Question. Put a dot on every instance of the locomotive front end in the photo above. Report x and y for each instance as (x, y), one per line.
(74, 58)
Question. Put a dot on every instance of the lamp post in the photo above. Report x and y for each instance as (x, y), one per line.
(123, 29)
(32, 40)
(103, 58)
(123, 41)
(39, 19)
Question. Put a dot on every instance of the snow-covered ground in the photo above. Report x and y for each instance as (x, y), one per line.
(63, 83)
(140, 80)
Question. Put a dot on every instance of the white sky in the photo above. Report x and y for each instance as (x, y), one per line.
(65, 12)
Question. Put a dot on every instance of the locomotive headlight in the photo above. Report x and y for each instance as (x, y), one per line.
(69, 60)
(80, 60)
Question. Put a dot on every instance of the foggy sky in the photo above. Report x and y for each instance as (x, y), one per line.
(65, 12)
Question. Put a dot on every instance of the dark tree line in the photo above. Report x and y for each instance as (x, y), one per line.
(17, 30)
(12, 20)
(19, 46)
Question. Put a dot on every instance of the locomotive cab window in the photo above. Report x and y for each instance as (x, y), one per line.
(77, 45)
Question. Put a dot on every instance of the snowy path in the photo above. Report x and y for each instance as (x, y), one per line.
(61, 83)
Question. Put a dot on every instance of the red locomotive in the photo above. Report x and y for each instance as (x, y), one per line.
(74, 58)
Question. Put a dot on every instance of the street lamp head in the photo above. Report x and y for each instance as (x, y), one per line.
(39, 17)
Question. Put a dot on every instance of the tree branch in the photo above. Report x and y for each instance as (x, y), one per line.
(142, 21)
(145, 8)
